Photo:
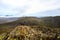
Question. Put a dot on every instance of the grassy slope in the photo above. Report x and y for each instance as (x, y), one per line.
(43, 25)
(28, 33)
(46, 22)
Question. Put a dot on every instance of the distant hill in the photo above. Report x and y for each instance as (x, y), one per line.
(52, 21)
(44, 21)
(6, 20)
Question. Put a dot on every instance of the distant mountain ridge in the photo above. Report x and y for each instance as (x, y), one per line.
(46, 21)
(6, 20)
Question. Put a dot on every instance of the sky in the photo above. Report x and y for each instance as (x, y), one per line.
(29, 7)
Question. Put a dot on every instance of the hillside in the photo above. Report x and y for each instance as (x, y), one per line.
(52, 21)
(43, 21)
(46, 27)
(48, 22)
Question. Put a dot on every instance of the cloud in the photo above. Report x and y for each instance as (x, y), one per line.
(26, 7)
(36, 6)
(13, 7)
(55, 12)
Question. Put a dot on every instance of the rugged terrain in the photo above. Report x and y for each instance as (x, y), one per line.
(31, 28)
